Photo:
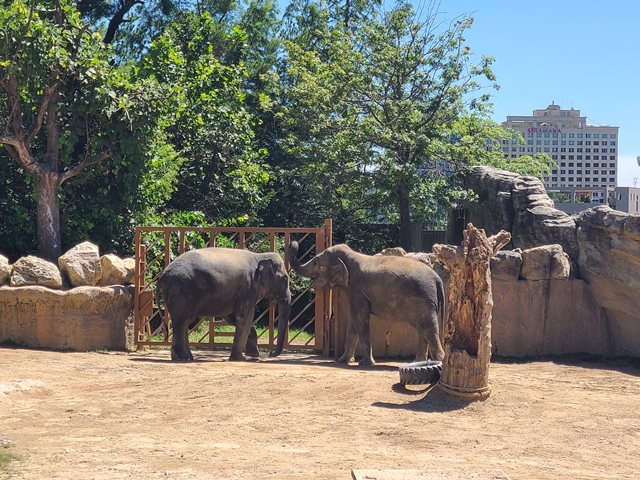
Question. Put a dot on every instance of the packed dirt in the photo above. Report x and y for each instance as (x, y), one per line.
(138, 415)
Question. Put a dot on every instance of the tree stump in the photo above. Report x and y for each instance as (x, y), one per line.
(467, 339)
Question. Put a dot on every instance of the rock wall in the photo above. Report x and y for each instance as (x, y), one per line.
(604, 247)
(82, 319)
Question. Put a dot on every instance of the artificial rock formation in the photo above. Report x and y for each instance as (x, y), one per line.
(83, 318)
(32, 270)
(519, 205)
(117, 271)
(81, 265)
(546, 262)
(5, 269)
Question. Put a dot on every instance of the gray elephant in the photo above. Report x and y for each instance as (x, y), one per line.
(389, 287)
(212, 282)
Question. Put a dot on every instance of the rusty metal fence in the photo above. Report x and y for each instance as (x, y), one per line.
(310, 325)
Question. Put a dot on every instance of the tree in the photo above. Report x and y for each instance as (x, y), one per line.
(398, 98)
(64, 107)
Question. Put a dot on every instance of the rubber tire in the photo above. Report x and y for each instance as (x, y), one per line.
(420, 373)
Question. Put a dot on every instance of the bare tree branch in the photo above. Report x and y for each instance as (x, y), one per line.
(85, 164)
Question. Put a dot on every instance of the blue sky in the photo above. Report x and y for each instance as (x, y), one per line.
(584, 55)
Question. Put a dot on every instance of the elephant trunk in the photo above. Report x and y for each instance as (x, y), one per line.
(284, 312)
(305, 270)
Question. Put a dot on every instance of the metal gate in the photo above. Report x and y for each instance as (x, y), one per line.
(310, 322)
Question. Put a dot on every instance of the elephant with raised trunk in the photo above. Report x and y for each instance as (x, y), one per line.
(213, 282)
(389, 287)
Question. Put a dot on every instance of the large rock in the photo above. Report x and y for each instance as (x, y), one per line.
(81, 265)
(5, 269)
(117, 271)
(609, 262)
(519, 205)
(548, 262)
(32, 270)
(505, 265)
(83, 318)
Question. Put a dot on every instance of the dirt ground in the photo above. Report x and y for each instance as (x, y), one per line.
(138, 415)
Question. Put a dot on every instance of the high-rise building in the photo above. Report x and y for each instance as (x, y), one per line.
(586, 155)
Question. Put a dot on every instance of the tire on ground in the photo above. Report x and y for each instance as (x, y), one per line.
(420, 373)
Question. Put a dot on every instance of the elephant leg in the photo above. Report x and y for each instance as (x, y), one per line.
(423, 349)
(180, 350)
(430, 337)
(350, 343)
(360, 318)
(240, 338)
(252, 344)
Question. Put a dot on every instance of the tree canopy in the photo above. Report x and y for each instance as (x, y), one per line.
(118, 112)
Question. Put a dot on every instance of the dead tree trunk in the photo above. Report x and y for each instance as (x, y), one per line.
(467, 341)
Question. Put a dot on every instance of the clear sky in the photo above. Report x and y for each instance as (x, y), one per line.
(584, 55)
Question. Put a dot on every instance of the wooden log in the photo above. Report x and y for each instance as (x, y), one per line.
(467, 339)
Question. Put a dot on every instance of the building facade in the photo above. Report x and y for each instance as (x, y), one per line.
(628, 200)
(586, 155)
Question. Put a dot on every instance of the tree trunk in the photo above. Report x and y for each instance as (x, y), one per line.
(405, 218)
(49, 234)
(467, 341)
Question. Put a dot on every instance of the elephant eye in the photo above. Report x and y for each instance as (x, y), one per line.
(323, 269)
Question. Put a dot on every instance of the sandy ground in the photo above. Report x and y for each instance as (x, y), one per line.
(138, 415)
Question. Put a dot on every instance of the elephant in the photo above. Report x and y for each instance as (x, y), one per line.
(211, 282)
(389, 287)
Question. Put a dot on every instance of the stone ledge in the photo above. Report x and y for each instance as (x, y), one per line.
(81, 319)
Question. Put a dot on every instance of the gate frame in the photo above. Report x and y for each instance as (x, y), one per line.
(143, 298)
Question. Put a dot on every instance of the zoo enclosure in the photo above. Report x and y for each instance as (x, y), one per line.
(311, 323)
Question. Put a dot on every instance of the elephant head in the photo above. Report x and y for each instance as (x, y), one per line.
(326, 269)
(275, 281)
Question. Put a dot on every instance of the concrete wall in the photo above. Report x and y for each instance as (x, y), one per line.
(82, 319)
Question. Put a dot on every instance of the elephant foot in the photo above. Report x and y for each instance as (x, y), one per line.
(346, 359)
(366, 361)
(252, 353)
(177, 357)
(236, 357)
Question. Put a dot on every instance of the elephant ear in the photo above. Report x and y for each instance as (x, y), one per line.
(338, 275)
(266, 272)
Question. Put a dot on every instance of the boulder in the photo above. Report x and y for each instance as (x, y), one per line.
(117, 271)
(519, 205)
(81, 265)
(544, 225)
(505, 265)
(5, 269)
(32, 270)
(548, 262)
(394, 251)
(422, 257)
(609, 262)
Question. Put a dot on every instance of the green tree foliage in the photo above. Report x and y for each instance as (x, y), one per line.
(68, 114)
(223, 175)
(395, 103)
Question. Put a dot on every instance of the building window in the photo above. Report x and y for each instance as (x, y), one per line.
(587, 180)
(613, 135)
(603, 180)
(612, 165)
(571, 179)
(563, 172)
(546, 135)
(562, 179)
(604, 135)
(554, 179)
(571, 172)
(571, 150)
(562, 149)
(529, 149)
(579, 135)
(578, 157)
(571, 157)
(546, 149)
(612, 143)
(588, 135)
(538, 149)
(570, 163)
(604, 143)
(554, 157)
(612, 172)
(538, 142)
(563, 164)
(596, 135)
(579, 172)
(538, 135)
(579, 150)
(554, 149)
(595, 157)
(563, 157)
(612, 150)
(587, 172)
(563, 142)
(546, 142)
